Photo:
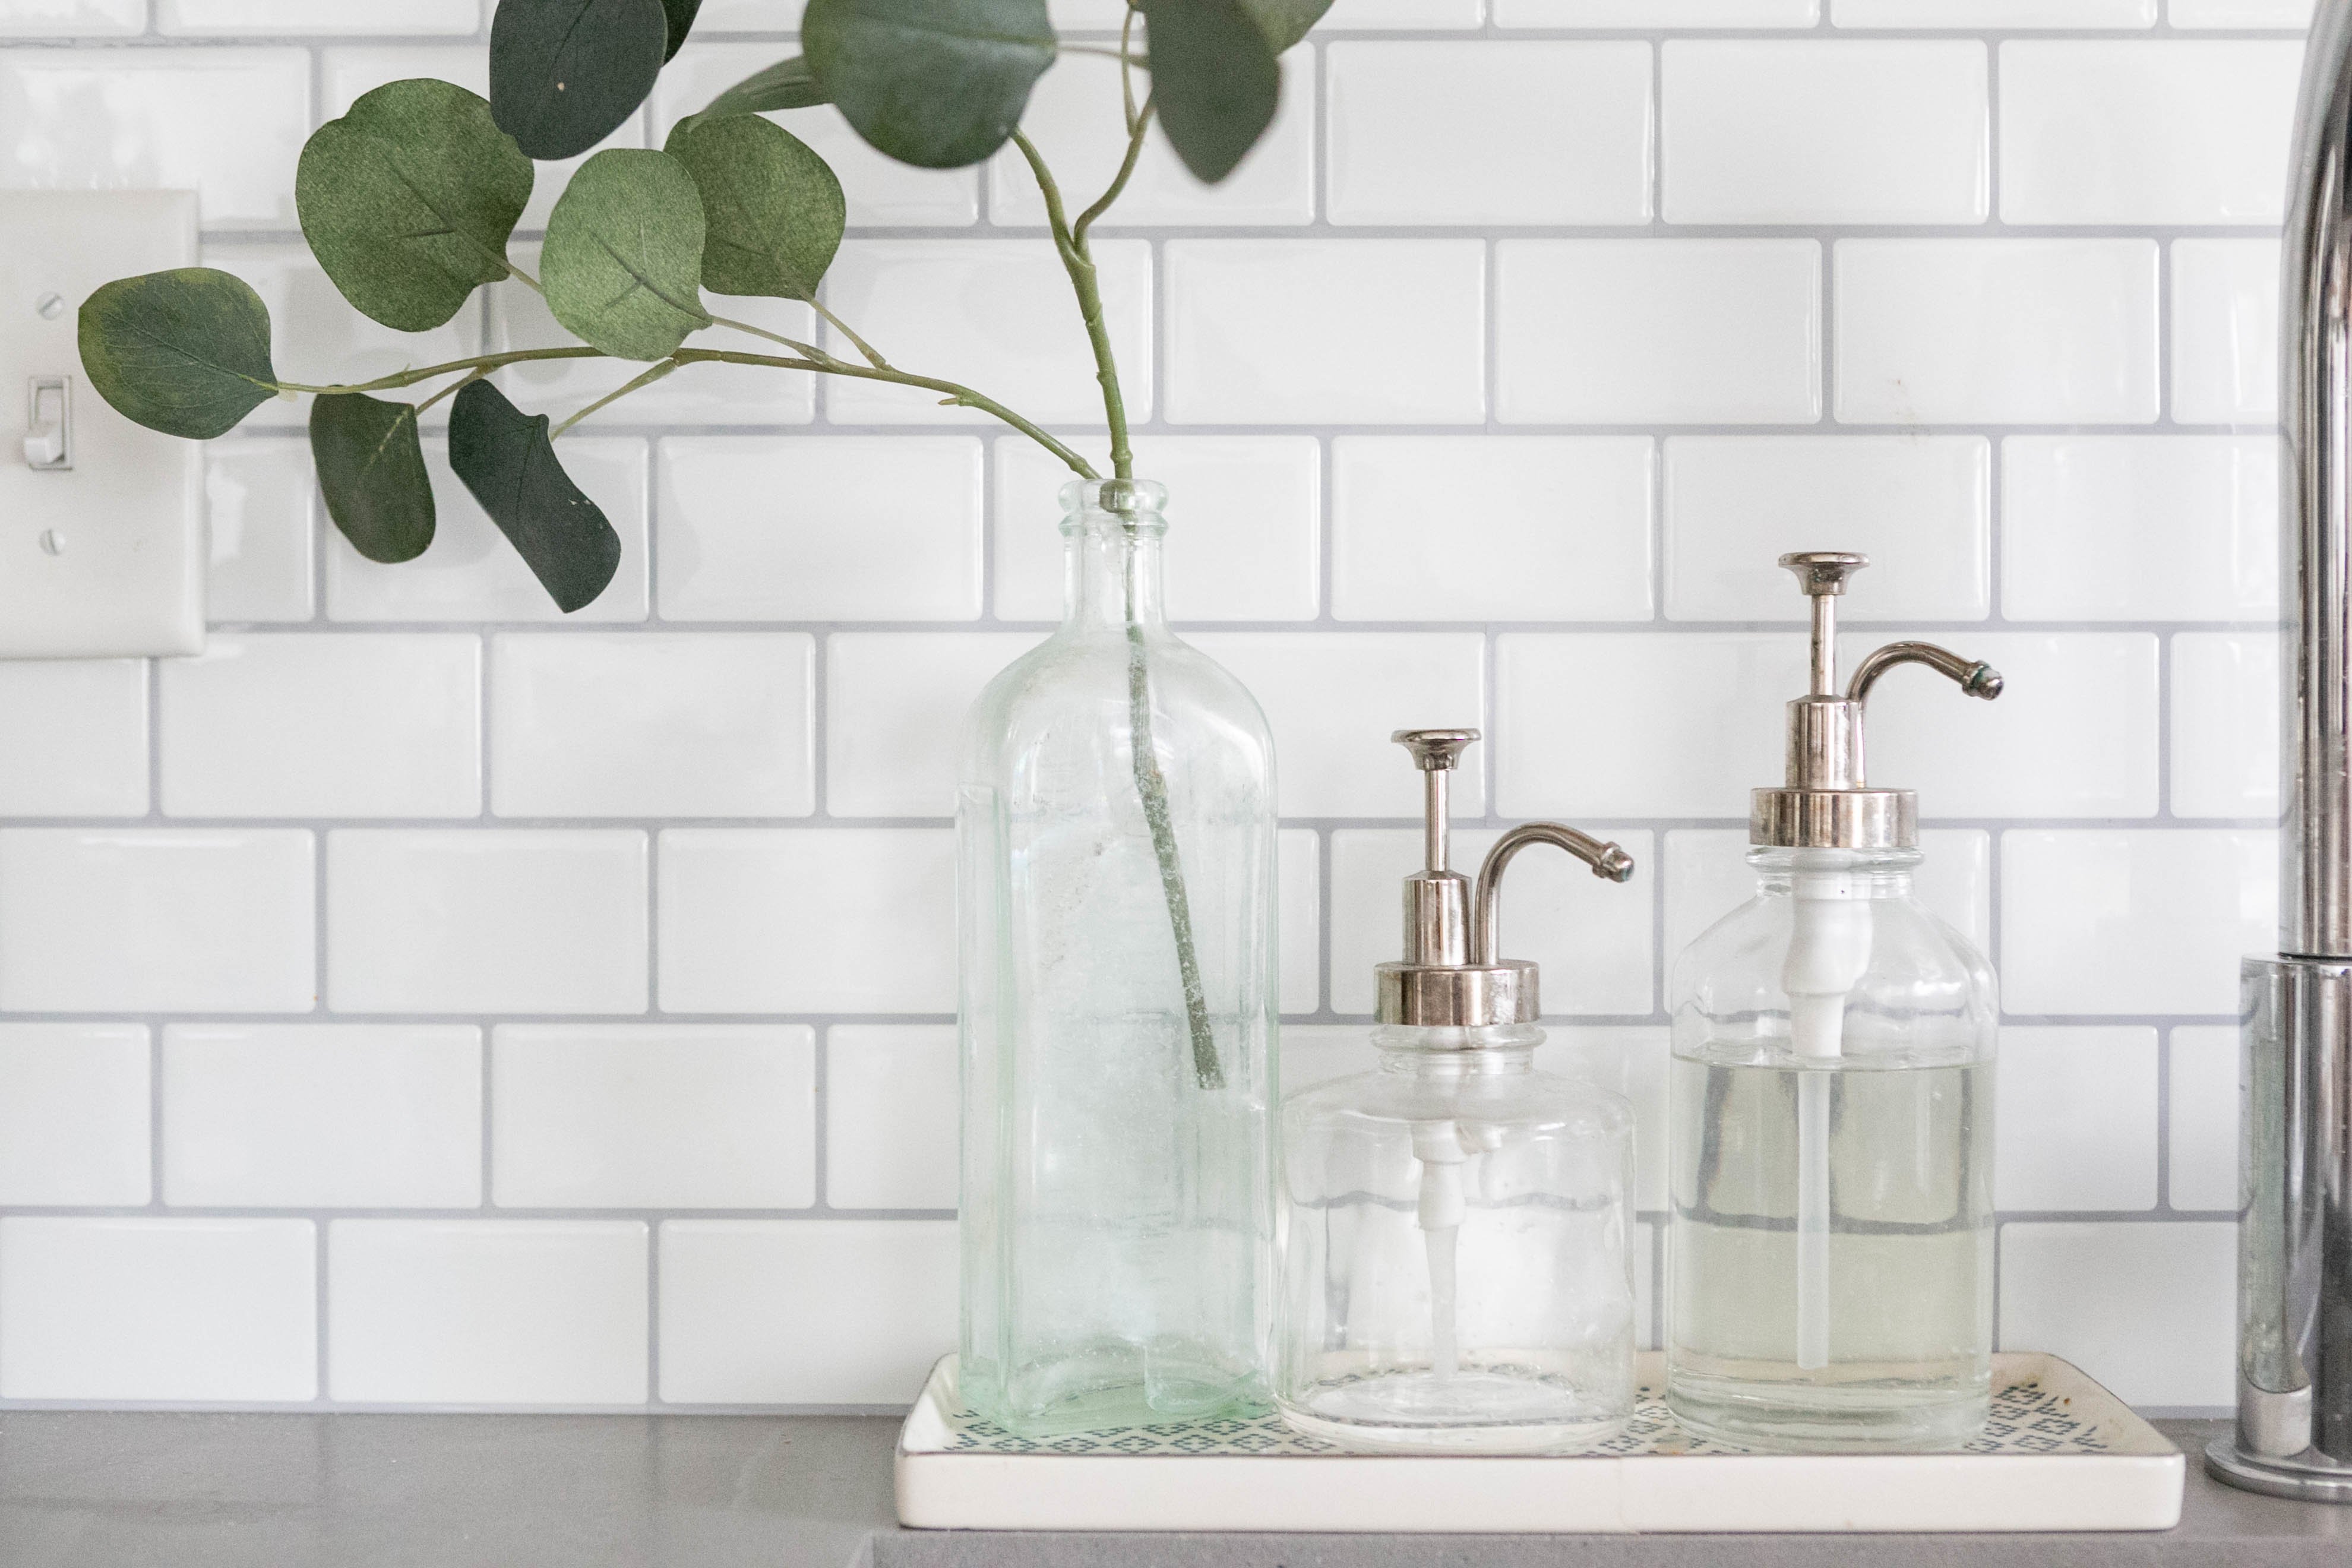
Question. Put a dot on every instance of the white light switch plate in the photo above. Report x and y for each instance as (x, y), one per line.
(105, 559)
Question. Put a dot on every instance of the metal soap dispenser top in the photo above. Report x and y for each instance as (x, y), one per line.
(1454, 1273)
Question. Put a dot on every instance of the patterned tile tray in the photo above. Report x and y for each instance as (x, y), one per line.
(2059, 1453)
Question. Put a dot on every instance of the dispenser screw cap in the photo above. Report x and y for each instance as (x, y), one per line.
(1821, 572)
(1435, 750)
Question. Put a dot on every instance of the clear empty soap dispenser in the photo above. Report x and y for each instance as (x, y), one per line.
(1830, 1250)
(1455, 1272)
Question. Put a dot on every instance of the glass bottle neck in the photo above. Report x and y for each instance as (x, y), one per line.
(1868, 873)
(1111, 573)
(1496, 1050)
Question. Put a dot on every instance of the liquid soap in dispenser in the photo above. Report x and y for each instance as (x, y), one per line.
(1454, 1274)
(1830, 1250)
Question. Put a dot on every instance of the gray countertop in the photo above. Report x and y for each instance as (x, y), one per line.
(122, 1490)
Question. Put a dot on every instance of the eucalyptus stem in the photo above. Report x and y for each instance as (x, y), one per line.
(1081, 269)
(455, 387)
(653, 375)
(873, 355)
(808, 350)
(479, 362)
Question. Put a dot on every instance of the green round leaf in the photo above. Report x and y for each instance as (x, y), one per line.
(185, 352)
(1285, 22)
(787, 84)
(936, 83)
(1216, 80)
(680, 16)
(622, 262)
(772, 210)
(372, 471)
(507, 461)
(408, 199)
(564, 74)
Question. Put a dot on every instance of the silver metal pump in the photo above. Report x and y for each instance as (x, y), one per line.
(1827, 802)
(1450, 977)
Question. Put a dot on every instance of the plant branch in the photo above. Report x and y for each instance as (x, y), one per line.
(652, 374)
(1081, 269)
(1127, 69)
(1120, 54)
(872, 356)
(807, 350)
(1138, 124)
(480, 362)
(458, 386)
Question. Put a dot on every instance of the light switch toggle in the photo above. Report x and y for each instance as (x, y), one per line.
(48, 424)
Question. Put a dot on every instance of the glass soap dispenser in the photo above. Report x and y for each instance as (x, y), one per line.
(1455, 1272)
(1830, 1248)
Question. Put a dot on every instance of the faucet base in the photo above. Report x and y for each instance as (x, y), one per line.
(2306, 1476)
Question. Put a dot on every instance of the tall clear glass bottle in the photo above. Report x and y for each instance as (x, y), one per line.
(1115, 885)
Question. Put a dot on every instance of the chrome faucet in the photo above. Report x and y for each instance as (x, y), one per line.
(2293, 1436)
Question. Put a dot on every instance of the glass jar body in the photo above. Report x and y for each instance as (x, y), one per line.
(1830, 1248)
(1455, 1258)
(1117, 1216)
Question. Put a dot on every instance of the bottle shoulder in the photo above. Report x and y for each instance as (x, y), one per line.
(1078, 684)
(1534, 1100)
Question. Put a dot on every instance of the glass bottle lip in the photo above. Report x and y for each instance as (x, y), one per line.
(1784, 857)
(1129, 506)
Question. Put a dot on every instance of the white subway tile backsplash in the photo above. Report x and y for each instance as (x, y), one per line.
(74, 1106)
(1632, 1062)
(2147, 1309)
(73, 18)
(653, 724)
(2007, 330)
(851, 528)
(2225, 328)
(1299, 918)
(77, 733)
(653, 1116)
(258, 499)
(455, 921)
(2003, 14)
(2295, 14)
(487, 1312)
(231, 18)
(1920, 506)
(1536, 528)
(2146, 131)
(895, 705)
(1565, 129)
(1657, 13)
(149, 920)
(1410, 14)
(352, 724)
(873, 1303)
(807, 920)
(2134, 528)
(158, 1309)
(1680, 331)
(891, 1106)
(2225, 724)
(1843, 131)
(1705, 875)
(2075, 1119)
(2201, 1157)
(1276, 331)
(322, 1115)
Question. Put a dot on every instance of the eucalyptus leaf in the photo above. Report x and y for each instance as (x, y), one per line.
(680, 16)
(506, 460)
(936, 83)
(372, 471)
(185, 352)
(774, 209)
(787, 84)
(407, 200)
(565, 74)
(1216, 80)
(622, 262)
(1285, 22)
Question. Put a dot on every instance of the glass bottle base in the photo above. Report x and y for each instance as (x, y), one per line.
(1474, 1411)
(1114, 1386)
(1886, 1416)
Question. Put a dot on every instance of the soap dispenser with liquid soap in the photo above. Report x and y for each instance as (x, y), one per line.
(1830, 1247)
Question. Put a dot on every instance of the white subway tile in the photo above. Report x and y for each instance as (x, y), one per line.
(760, 16)
(1334, 697)
(1590, 936)
(1536, 528)
(77, 733)
(146, 920)
(349, 724)
(2133, 921)
(2149, 130)
(151, 119)
(2201, 1158)
(73, 1113)
(1670, 332)
(2004, 14)
(2076, 1120)
(880, 191)
(894, 707)
(1366, 15)
(470, 572)
(258, 499)
(2294, 14)
(1834, 131)
(653, 1116)
(473, 920)
(851, 528)
(2138, 528)
(1298, 919)
(273, 17)
(1632, 1062)
(1244, 520)
(485, 1311)
(1706, 875)
(1657, 13)
(648, 724)
(1562, 132)
(73, 18)
(989, 314)
(158, 1309)
(891, 1113)
(322, 1115)
(2149, 1310)
(1687, 724)
(807, 920)
(1073, 117)
(1314, 1054)
(2225, 724)
(2024, 331)
(1286, 332)
(872, 1302)
(1920, 506)
(2073, 735)
(2225, 331)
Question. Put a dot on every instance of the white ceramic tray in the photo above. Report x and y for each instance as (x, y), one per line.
(2060, 1453)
